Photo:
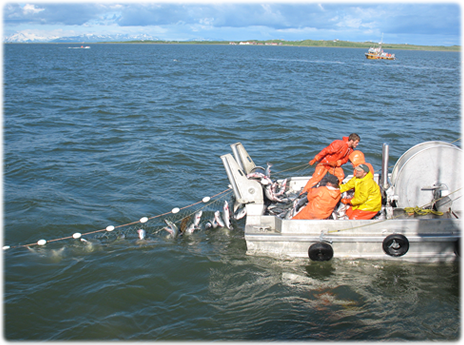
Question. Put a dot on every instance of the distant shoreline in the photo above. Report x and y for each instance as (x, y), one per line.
(304, 43)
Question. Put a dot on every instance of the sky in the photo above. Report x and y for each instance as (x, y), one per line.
(421, 23)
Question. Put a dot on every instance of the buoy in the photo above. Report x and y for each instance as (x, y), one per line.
(459, 247)
(6, 247)
(206, 199)
(395, 245)
(110, 228)
(41, 242)
(175, 210)
(320, 251)
(143, 220)
(77, 235)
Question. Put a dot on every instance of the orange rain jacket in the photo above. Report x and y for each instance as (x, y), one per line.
(357, 157)
(321, 203)
(337, 152)
(367, 196)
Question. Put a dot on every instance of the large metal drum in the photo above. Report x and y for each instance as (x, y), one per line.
(428, 170)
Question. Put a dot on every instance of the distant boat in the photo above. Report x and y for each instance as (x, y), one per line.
(379, 54)
(81, 47)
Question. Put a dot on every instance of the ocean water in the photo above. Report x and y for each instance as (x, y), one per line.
(108, 135)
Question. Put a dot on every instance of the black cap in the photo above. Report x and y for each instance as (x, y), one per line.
(363, 167)
(332, 179)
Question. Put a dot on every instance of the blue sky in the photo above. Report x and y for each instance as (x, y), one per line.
(420, 23)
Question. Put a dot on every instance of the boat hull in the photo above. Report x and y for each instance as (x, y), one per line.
(428, 239)
(378, 57)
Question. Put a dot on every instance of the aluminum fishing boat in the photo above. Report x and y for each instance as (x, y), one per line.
(426, 178)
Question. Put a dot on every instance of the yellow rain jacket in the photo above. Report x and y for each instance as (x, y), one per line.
(367, 195)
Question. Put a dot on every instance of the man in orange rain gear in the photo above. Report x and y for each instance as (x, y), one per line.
(367, 200)
(357, 157)
(331, 159)
(321, 200)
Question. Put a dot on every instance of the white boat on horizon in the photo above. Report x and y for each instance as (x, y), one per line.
(427, 175)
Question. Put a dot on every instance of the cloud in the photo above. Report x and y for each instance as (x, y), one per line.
(361, 21)
(28, 8)
(12, 13)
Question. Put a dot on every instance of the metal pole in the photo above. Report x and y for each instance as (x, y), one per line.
(385, 157)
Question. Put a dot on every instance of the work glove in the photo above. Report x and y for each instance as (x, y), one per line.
(311, 162)
(346, 201)
(303, 201)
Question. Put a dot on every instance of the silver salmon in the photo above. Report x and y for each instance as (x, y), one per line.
(218, 219)
(226, 214)
(171, 228)
(141, 233)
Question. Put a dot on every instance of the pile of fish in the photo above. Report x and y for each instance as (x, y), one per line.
(280, 201)
(220, 219)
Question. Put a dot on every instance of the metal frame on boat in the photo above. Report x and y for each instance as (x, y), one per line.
(427, 175)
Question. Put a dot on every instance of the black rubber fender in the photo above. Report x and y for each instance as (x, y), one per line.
(395, 245)
(320, 251)
(459, 247)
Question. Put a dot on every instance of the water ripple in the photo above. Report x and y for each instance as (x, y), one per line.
(116, 132)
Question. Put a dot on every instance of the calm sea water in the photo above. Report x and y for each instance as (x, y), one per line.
(107, 135)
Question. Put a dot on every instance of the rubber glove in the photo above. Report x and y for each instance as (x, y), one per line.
(346, 201)
(311, 162)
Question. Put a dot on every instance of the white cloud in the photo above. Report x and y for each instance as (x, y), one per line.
(28, 8)
(243, 21)
(350, 22)
(207, 21)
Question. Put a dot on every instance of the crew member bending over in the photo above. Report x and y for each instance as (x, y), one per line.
(367, 200)
(321, 200)
(331, 159)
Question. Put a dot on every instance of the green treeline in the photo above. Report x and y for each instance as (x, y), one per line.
(311, 43)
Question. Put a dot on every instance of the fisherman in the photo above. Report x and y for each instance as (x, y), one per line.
(367, 200)
(357, 157)
(331, 159)
(321, 200)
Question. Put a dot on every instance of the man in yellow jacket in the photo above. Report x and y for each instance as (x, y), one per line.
(367, 200)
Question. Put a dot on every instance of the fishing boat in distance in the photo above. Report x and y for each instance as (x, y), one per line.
(379, 54)
(419, 220)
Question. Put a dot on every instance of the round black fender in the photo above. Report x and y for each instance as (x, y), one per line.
(320, 251)
(459, 247)
(395, 245)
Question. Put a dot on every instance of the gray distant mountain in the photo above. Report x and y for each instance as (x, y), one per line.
(105, 38)
(87, 38)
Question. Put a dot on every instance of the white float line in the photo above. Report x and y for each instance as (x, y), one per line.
(110, 228)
